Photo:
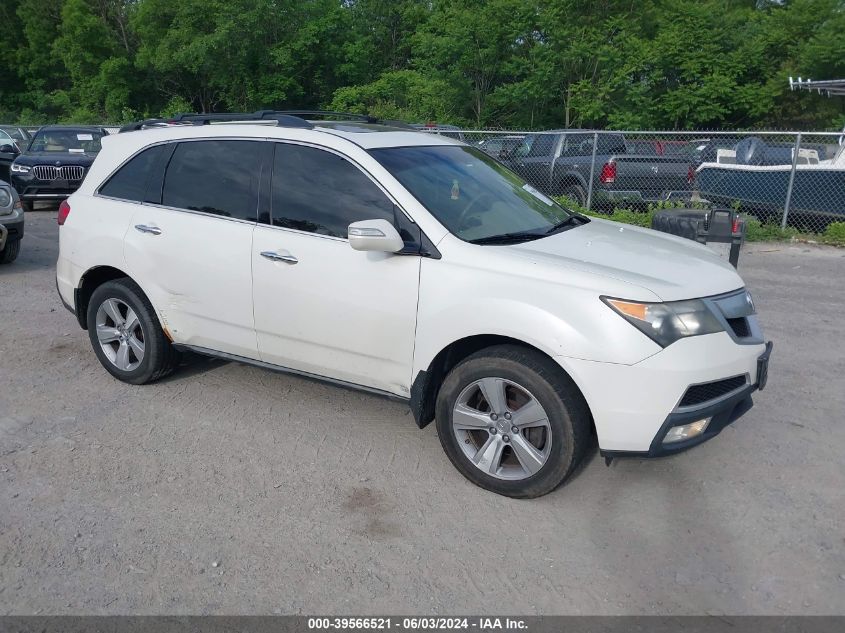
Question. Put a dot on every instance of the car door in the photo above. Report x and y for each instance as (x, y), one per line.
(190, 248)
(320, 306)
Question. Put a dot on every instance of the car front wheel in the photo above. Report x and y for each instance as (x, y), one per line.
(512, 421)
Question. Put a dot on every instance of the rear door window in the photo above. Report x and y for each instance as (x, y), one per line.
(219, 177)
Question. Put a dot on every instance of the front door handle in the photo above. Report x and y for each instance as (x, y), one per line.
(276, 257)
(152, 230)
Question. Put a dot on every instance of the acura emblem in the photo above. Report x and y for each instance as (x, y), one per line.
(654, 168)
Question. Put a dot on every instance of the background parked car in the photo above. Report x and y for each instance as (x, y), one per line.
(9, 151)
(11, 223)
(559, 163)
(501, 146)
(19, 135)
(55, 162)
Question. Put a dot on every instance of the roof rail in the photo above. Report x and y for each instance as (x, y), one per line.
(283, 118)
(366, 118)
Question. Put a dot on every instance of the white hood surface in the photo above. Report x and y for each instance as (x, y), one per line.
(673, 268)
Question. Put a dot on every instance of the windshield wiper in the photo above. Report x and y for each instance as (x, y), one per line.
(571, 222)
(508, 238)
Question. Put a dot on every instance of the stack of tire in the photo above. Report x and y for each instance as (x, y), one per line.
(688, 223)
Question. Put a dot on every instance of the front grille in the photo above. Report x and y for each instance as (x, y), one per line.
(739, 326)
(698, 394)
(65, 172)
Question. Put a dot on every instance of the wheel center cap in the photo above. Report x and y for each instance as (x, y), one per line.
(503, 424)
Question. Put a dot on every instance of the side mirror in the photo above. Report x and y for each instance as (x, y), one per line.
(8, 149)
(375, 235)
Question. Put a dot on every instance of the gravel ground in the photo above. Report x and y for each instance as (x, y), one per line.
(230, 489)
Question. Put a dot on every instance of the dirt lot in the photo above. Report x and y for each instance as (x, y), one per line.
(229, 489)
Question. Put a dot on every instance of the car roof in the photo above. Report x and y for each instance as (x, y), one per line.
(364, 135)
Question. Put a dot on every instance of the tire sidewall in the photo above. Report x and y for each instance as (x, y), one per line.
(560, 461)
(149, 326)
(576, 193)
(10, 251)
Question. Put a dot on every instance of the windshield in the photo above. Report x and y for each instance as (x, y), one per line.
(74, 141)
(470, 193)
(15, 133)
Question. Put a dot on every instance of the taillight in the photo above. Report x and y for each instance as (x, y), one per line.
(690, 175)
(64, 211)
(735, 227)
(608, 173)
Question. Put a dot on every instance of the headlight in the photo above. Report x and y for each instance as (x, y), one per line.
(5, 198)
(665, 323)
(21, 169)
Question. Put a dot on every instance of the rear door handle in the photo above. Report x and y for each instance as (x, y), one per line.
(143, 228)
(276, 257)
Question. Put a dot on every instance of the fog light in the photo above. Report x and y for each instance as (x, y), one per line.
(686, 431)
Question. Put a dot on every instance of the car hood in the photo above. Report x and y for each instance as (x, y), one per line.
(671, 267)
(50, 158)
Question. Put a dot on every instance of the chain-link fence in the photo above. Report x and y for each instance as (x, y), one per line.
(783, 179)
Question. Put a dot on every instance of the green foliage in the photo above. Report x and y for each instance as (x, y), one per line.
(757, 231)
(835, 232)
(506, 63)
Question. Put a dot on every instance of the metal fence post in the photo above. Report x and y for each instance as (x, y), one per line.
(788, 200)
(592, 171)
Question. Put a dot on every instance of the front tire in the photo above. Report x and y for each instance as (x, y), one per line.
(126, 334)
(10, 252)
(511, 421)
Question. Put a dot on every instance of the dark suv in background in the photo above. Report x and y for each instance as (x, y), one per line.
(55, 162)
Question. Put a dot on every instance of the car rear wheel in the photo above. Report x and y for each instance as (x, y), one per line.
(512, 421)
(126, 335)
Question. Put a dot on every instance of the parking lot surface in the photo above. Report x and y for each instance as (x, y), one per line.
(231, 489)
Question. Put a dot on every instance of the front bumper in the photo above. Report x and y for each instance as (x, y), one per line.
(30, 188)
(634, 406)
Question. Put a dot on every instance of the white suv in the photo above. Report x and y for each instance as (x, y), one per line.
(413, 266)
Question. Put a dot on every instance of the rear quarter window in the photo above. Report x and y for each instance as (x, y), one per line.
(130, 181)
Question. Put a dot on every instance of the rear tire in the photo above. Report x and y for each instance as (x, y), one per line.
(10, 252)
(126, 334)
(576, 193)
(529, 447)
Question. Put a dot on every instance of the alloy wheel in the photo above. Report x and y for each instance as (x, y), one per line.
(120, 334)
(502, 428)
